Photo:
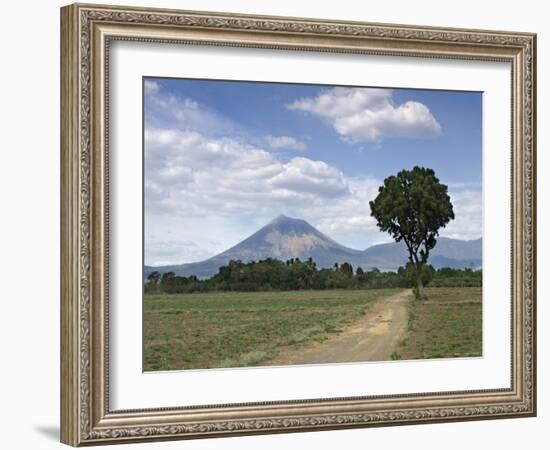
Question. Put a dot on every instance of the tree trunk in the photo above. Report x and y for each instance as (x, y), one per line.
(419, 284)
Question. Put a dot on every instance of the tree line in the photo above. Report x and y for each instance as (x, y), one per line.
(272, 274)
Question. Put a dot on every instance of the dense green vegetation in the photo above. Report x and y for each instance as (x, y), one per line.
(294, 274)
(231, 329)
(447, 277)
(448, 324)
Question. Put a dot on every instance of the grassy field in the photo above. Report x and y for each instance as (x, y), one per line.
(447, 324)
(232, 329)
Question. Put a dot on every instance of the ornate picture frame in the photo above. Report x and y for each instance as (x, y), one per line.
(87, 31)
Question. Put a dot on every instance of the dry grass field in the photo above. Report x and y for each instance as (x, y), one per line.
(447, 324)
(232, 329)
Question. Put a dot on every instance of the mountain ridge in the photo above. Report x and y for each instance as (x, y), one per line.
(285, 238)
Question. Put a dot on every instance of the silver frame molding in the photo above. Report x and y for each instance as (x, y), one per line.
(86, 33)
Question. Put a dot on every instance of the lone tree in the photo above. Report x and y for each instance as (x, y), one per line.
(412, 206)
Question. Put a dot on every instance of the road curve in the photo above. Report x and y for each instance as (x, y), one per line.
(374, 337)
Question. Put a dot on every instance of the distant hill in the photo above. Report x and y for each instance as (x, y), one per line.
(454, 253)
(284, 238)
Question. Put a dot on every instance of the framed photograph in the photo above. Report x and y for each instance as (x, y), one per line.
(276, 224)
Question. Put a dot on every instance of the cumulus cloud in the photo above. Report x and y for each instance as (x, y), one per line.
(369, 115)
(165, 109)
(151, 87)
(191, 174)
(349, 221)
(467, 205)
(206, 189)
(285, 143)
(315, 177)
(196, 186)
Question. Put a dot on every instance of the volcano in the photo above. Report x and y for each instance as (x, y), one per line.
(285, 237)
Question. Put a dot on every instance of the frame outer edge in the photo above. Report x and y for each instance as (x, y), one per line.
(533, 231)
(80, 410)
(69, 184)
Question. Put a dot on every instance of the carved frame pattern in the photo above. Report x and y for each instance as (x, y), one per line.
(86, 418)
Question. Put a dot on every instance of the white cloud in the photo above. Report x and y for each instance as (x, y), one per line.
(285, 143)
(162, 107)
(196, 186)
(349, 222)
(306, 176)
(165, 252)
(192, 180)
(467, 206)
(151, 87)
(190, 174)
(205, 191)
(369, 115)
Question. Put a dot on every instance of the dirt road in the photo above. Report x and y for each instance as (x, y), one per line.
(373, 338)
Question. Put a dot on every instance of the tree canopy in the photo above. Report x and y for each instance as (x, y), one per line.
(412, 206)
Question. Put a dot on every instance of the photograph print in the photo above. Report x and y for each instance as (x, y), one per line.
(296, 224)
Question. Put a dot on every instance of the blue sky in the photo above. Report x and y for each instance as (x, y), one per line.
(222, 158)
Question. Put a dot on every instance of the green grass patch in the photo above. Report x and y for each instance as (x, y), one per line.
(237, 329)
(447, 324)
